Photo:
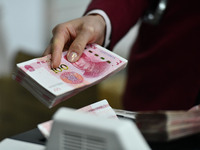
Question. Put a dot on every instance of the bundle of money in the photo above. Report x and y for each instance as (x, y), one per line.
(54, 85)
(164, 125)
(168, 125)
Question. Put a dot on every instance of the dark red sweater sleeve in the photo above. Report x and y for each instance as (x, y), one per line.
(123, 14)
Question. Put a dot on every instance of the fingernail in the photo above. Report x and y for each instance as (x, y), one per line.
(72, 56)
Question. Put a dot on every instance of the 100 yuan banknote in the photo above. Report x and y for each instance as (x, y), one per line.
(101, 109)
(53, 85)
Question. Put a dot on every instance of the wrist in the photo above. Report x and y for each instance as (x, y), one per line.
(108, 27)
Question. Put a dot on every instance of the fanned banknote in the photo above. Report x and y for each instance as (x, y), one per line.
(101, 108)
(54, 85)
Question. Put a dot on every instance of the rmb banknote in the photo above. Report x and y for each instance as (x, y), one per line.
(101, 108)
(54, 85)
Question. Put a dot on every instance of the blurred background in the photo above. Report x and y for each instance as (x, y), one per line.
(25, 31)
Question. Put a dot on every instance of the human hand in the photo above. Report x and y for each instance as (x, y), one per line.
(74, 36)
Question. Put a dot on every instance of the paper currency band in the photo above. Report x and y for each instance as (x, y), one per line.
(108, 24)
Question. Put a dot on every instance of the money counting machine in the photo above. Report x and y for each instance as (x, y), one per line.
(74, 130)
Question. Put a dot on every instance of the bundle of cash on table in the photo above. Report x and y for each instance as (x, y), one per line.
(54, 85)
(168, 125)
(164, 125)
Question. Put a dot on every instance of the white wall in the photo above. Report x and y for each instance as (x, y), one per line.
(22, 24)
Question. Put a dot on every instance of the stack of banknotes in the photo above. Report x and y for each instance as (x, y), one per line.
(101, 108)
(159, 126)
(167, 125)
(54, 85)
